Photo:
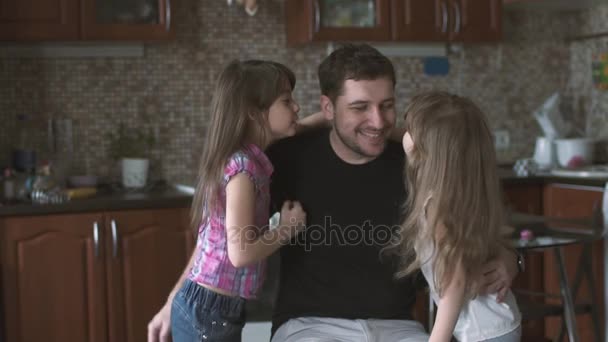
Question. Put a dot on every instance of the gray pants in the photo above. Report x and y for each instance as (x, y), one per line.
(513, 336)
(319, 329)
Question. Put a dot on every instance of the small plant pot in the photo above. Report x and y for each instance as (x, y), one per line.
(134, 172)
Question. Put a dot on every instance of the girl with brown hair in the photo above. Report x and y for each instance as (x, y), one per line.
(454, 216)
(252, 107)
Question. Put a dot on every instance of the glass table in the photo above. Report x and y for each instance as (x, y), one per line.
(552, 234)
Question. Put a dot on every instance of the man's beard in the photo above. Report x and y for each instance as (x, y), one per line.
(352, 145)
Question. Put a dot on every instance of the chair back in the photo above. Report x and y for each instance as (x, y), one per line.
(603, 224)
(599, 219)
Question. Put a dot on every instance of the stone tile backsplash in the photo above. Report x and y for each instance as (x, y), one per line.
(588, 105)
(169, 89)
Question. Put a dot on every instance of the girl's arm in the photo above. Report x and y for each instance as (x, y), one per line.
(449, 307)
(245, 245)
(159, 328)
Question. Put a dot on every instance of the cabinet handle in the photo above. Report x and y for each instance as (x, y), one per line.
(114, 239)
(96, 239)
(458, 20)
(317, 16)
(444, 17)
(168, 16)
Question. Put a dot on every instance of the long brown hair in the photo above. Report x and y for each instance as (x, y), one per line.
(454, 164)
(244, 92)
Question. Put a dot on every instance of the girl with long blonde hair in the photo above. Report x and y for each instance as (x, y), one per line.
(454, 216)
(252, 107)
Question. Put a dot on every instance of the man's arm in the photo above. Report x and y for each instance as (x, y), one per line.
(312, 121)
(498, 274)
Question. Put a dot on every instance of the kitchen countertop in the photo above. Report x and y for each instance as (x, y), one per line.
(508, 177)
(168, 197)
(159, 197)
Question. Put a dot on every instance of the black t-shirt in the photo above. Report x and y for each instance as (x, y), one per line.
(335, 268)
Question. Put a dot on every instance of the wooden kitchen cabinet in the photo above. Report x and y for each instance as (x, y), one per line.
(475, 21)
(571, 201)
(524, 198)
(465, 21)
(337, 20)
(151, 250)
(73, 20)
(126, 19)
(425, 21)
(53, 279)
(459, 21)
(90, 277)
(39, 19)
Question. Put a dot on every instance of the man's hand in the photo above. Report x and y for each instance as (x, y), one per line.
(159, 328)
(498, 274)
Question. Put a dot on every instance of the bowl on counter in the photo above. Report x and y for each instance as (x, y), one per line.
(574, 153)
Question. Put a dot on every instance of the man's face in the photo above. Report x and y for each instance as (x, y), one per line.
(363, 117)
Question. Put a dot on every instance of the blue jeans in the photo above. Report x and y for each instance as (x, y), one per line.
(199, 314)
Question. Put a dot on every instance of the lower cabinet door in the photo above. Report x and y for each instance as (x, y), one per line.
(146, 253)
(53, 280)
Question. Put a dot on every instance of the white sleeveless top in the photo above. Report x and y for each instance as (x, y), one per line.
(481, 318)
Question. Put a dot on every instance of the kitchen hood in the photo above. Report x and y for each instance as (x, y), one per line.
(552, 5)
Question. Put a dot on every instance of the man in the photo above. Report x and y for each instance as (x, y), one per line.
(335, 284)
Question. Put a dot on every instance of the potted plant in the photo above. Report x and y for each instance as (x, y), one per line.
(132, 147)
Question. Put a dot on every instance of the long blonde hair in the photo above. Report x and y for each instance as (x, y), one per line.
(244, 92)
(454, 164)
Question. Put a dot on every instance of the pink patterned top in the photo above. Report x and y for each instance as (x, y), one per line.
(211, 265)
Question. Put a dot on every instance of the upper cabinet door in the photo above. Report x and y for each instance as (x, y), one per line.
(33, 20)
(415, 20)
(337, 20)
(127, 20)
(476, 21)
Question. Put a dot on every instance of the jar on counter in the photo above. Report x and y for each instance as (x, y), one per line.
(8, 185)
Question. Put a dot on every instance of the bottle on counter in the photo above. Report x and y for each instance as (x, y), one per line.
(44, 188)
(8, 185)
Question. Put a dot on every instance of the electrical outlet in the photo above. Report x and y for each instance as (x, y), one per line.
(501, 140)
